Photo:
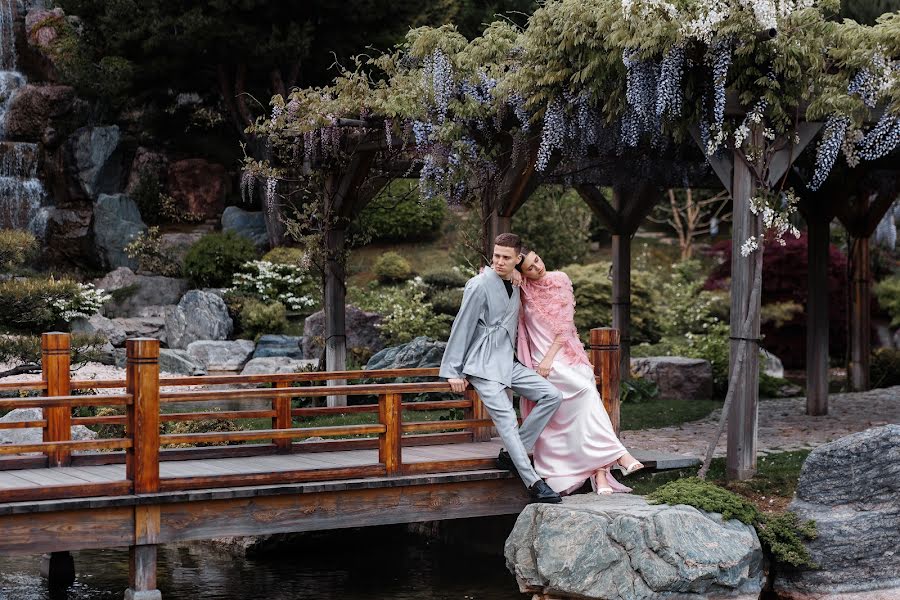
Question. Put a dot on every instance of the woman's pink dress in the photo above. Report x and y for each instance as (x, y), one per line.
(579, 438)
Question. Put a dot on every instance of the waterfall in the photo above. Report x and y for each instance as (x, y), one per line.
(22, 194)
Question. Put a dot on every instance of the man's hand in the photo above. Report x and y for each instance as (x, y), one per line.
(458, 385)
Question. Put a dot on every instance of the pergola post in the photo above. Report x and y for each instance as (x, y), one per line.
(817, 222)
(335, 311)
(742, 418)
(621, 284)
(860, 325)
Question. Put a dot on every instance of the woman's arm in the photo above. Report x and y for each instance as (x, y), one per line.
(546, 365)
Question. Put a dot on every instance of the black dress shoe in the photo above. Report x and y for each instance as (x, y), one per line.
(541, 492)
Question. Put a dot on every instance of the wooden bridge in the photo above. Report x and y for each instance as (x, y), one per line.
(145, 488)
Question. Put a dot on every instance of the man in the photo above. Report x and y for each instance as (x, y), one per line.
(481, 349)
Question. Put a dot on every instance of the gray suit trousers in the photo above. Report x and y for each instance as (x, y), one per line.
(518, 441)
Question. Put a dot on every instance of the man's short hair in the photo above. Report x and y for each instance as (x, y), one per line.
(509, 240)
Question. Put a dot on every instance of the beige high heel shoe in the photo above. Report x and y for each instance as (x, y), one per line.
(599, 483)
(632, 467)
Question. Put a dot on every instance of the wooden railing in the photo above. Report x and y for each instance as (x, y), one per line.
(143, 447)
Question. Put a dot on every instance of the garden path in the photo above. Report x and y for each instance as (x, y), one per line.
(783, 424)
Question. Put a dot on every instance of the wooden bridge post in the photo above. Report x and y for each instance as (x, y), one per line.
(605, 356)
(142, 463)
(55, 363)
(477, 411)
(389, 447)
(282, 419)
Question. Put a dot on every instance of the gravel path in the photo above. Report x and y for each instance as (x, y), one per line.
(783, 424)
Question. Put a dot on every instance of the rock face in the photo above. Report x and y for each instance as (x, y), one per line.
(139, 291)
(69, 235)
(117, 221)
(96, 164)
(676, 377)
(361, 331)
(421, 353)
(146, 163)
(221, 356)
(34, 435)
(34, 108)
(621, 548)
(180, 362)
(851, 489)
(270, 345)
(278, 364)
(198, 186)
(251, 225)
(199, 316)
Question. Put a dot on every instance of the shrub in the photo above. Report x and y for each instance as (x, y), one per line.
(147, 249)
(289, 284)
(884, 367)
(555, 222)
(16, 248)
(213, 260)
(258, 318)
(405, 312)
(392, 268)
(593, 298)
(445, 279)
(888, 294)
(34, 305)
(201, 426)
(398, 214)
(26, 349)
(781, 536)
(285, 255)
(684, 306)
(446, 302)
(155, 206)
(637, 390)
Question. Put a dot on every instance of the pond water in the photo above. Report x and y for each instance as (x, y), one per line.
(385, 563)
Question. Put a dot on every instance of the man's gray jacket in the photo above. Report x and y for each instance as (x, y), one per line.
(482, 341)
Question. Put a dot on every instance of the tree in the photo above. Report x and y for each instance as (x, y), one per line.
(692, 214)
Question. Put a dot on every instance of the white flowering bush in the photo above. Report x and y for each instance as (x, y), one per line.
(37, 304)
(291, 285)
(84, 301)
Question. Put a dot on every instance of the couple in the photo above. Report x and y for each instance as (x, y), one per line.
(565, 421)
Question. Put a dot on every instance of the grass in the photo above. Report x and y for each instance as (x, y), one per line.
(771, 489)
(664, 413)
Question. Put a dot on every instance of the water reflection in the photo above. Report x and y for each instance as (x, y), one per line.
(384, 563)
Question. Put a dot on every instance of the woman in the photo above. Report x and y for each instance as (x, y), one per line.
(579, 442)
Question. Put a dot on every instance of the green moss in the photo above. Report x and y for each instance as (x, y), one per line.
(706, 496)
(783, 537)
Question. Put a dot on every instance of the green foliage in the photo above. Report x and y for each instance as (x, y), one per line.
(593, 299)
(258, 318)
(398, 214)
(405, 312)
(26, 349)
(888, 293)
(35, 304)
(446, 302)
(213, 260)
(289, 284)
(200, 426)
(284, 255)
(867, 11)
(555, 223)
(770, 387)
(780, 313)
(16, 248)
(884, 367)
(684, 307)
(446, 279)
(781, 537)
(392, 268)
(637, 389)
(147, 249)
(155, 206)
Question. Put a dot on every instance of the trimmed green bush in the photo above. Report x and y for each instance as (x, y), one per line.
(392, 268)
(259, 318)
(16, 248)
(446, 302)
(555, 223)
(888, 294)
(884, 367)
(398, 214)
(285, 255)
(593, 299)
(445, 279)
(405, 312)
(213, 260)
(36, 304)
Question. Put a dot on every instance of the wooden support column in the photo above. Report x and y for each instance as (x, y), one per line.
(142, 463)
(605, 357)
(282, 419)
(55, 363)
(335, 306)
(742, 418)
(860, 324)
(389, 442)
(817, 314)
(621, 284)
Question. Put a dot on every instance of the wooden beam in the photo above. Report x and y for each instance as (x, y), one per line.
(785, 158)
(643, 199)
(595, 199)
(742, 418)
(817, 314)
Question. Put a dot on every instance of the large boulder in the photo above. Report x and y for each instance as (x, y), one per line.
(69, 236)
(176, 244)
(221, 355)
(622, 548)
(98, 324)
(172, 360)
(676, 377)
(135, 292)
(271, 345)
(851, 488)
(94, 160)
(421, 353)
(278, 364)
(251, 225)
(117, 221)
(361, 327)
(146, 163)
(199, 316)
(34, 108)
(34, 435)
(198, 186)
